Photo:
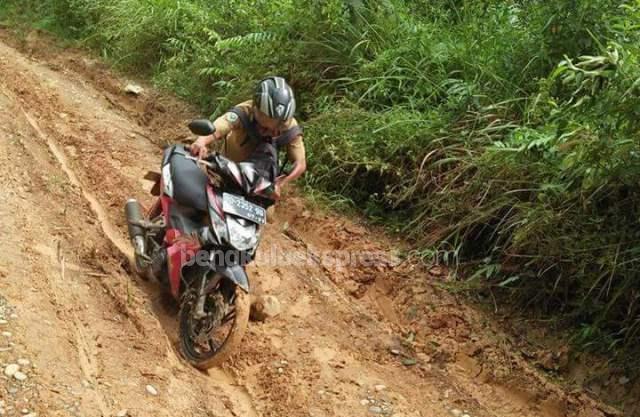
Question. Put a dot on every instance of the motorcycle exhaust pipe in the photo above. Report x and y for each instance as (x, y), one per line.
(133, 212)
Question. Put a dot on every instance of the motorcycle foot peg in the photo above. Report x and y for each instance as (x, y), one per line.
(133, 211)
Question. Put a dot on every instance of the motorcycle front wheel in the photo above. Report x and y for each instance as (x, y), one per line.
(207, 341)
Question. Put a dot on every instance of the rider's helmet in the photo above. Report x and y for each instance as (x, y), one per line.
(274, 97)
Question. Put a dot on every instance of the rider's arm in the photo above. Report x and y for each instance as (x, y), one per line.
(223, 124)
(296, 154)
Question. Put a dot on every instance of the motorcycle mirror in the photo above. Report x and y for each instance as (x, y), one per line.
(202, 127)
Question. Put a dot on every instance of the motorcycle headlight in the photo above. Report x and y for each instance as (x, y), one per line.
(243, 234)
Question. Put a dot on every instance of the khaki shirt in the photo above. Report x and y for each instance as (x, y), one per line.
(229, 127)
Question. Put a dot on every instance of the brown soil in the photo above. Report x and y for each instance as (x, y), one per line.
(74, 147)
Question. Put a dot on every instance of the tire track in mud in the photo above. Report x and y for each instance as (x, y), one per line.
(108, 229)
(87, 353)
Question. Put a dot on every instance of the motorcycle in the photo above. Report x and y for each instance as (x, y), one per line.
(225, 200)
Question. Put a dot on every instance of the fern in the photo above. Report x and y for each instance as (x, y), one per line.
(242, 41)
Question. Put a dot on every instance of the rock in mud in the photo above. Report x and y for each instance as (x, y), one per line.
(455, 412)
(7, 334)
(23, 362)
(133, 89)
(151, 390)
(20, 376)
(409, 361)
(265, 307)
(11, 369)
(436, 271)
(352, 287)
(380, 387)
(122, 413)
(375, 409)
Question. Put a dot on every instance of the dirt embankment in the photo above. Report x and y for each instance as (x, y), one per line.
(377, 338)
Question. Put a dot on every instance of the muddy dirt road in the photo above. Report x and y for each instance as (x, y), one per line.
(374, 340)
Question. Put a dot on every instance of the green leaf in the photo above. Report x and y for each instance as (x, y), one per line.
(509, 280)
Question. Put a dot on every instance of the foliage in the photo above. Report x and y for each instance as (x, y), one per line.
(504, 134)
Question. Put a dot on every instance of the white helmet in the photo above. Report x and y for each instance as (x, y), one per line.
(274, 97)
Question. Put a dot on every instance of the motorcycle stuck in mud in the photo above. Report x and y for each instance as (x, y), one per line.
(227, 201)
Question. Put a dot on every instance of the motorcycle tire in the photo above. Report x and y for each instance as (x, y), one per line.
(233, 339)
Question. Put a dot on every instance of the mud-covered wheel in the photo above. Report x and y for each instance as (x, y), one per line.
(209, 341)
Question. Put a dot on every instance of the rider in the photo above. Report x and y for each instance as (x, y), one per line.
(268, 118)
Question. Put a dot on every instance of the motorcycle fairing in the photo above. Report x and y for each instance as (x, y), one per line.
(235, 273)
(186, 219)
(217, 215)
(178, 254)
(166, 154)
(243, 174)
(178, 220)
(166, 180)
(254, 183)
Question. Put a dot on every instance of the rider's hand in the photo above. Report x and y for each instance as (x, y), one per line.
(276, 192)
(279, 185)
(199, 148)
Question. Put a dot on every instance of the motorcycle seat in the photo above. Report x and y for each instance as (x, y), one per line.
(189, 182)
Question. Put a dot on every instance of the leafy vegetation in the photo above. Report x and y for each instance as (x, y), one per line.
(503, 133)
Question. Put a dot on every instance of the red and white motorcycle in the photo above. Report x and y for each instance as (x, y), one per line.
(197, 239)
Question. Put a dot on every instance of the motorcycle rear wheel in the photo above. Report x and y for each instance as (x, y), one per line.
(216, 355)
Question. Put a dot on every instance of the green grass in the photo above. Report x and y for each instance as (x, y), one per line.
(499, 137)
